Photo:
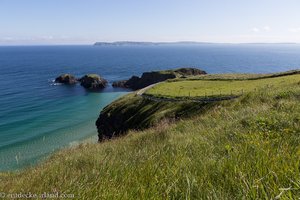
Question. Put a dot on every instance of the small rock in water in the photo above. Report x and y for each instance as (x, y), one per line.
(66, 79)
(93, 82)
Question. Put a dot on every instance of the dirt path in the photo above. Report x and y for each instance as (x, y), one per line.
(142, 91)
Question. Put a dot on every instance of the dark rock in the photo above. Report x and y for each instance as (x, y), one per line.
(66, 79)
(149, 78)
(132, 82)
(190, 71)
(119, 84)
(93, 82)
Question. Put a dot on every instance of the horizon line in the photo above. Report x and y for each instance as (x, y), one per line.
(146, 42)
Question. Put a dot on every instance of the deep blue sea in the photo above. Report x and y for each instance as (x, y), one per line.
(38, 117)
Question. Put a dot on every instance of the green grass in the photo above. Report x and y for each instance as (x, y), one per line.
(96, 76)
(246, 148)
(211, 88)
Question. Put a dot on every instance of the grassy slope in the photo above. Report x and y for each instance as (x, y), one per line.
(201, 88)
(135, 112)
(243, 148)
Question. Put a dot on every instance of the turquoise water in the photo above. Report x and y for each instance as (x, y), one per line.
(71, 120)
(38, 117)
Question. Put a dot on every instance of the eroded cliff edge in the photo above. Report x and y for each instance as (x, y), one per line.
(133, 112)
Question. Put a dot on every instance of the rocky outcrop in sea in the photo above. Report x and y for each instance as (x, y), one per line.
(93, 82)
(66, 79)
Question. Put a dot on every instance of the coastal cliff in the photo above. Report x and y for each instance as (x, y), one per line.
(149, 78)
(133, 112)
(180, 98)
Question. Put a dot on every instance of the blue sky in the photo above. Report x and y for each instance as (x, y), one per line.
(88, 21)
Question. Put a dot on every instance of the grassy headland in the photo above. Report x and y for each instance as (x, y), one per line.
(245, 148)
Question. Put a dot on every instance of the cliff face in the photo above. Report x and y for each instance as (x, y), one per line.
(189, 71)
(133, 112)
(149, 78)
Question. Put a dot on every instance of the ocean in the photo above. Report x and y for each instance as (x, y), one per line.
(38, 117)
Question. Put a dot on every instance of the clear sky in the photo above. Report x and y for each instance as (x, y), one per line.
(87, 21)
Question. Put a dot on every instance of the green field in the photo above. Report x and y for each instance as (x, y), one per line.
(217, 88)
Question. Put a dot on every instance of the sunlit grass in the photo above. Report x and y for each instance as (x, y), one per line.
(208, 88)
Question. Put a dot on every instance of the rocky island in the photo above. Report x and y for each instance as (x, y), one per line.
(93, 82)
(88, 81)
(66, 79)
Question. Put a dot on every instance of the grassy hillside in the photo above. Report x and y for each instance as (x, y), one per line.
(246, 148)
(135, 112)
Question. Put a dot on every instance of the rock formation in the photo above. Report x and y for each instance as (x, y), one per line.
(93, 82)
(189, 71)
(66, 79)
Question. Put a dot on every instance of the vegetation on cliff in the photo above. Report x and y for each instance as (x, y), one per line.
(245, 148)
(135, 112)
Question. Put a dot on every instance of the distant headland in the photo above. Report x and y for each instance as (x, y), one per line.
(132, 43)
(136, 43)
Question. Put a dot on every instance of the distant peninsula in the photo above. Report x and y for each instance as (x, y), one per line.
(132, 43)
